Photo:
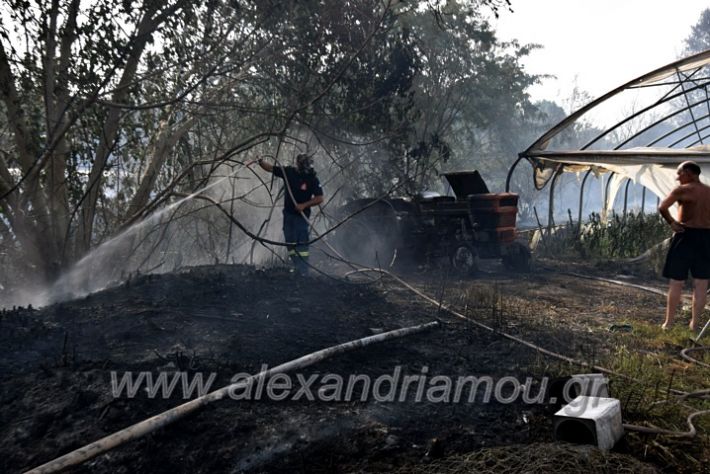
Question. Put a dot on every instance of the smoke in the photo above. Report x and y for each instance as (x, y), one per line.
(191, 231)
(196, 230)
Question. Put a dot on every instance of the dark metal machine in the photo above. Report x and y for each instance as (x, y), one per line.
(464, 228)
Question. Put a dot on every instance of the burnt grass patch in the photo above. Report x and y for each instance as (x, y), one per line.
(56, 392)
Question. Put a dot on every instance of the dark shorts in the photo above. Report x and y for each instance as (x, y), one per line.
(689, 250)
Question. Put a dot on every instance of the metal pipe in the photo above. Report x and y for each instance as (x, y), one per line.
(542, 142)
(699, 140)
(673, 130)
(697, 131)
(606, 195)
(626, 196)
(510, 174)
(687, 101)
(657, 103)
(551, 205)
(581, 200)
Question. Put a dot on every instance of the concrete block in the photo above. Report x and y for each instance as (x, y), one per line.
(590, 420)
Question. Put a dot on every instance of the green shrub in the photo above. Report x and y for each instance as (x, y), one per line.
(621, 236)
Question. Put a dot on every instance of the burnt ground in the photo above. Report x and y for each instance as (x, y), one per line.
(57, 362)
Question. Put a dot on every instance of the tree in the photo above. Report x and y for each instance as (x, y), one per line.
(112, 108)
(55, 82)
(699, 38)
(446, 80)
(97, 97)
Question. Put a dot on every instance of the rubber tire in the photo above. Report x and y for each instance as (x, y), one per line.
(464, 260)
(517, 257)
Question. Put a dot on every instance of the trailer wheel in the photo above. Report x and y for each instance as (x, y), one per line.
(464, 260)
(517, 257)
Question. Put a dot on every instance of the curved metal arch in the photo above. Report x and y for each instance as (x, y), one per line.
(666, 99)
(683, 91)
(704, 137)
(626, 196)
(581, 199)
(606, 192)
(668, 134)
(510, 174)
(551, 204)
(695, 132)
(662, 120)
(696, 60)
(687, 101)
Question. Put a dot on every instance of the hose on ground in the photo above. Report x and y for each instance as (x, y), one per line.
(167, 417)
(683, 395)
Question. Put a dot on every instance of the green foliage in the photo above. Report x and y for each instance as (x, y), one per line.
(121, 96)
(621, 236)
(464, 106)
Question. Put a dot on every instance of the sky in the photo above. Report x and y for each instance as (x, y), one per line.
(597, 44)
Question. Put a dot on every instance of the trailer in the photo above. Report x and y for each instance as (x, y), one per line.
(473, 224)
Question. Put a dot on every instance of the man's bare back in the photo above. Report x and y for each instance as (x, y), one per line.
(693, 205)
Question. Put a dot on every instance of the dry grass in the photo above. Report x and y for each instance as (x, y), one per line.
(573, 323)
(536, 458)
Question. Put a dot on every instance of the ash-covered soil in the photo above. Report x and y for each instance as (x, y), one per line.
(56, 390)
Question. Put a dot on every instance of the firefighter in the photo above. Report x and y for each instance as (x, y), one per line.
(690, 246)
(302, 191)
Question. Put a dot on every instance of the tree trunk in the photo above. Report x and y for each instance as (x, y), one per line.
(57, 106)
(164, 144)
(28, 153)
(147, 26)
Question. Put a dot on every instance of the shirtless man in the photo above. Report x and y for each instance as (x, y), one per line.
(690, 245)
